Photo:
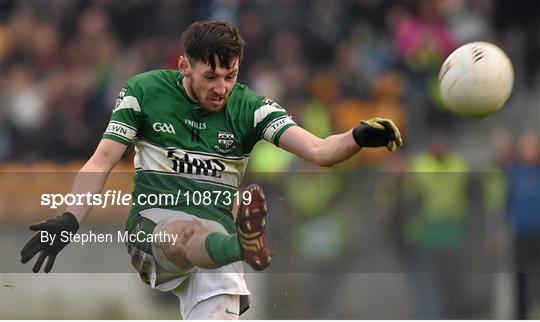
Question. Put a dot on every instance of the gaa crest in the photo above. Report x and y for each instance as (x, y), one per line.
(225, 142)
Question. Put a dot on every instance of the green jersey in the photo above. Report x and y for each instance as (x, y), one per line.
(195, 157)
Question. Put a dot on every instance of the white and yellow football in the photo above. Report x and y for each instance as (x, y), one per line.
(476, 80)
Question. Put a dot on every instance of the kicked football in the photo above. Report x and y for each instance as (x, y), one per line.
(476, 80)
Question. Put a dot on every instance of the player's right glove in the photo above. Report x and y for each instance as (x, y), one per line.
(55, 226)
(378, 132)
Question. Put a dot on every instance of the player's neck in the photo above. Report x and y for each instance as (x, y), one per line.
(187, 89)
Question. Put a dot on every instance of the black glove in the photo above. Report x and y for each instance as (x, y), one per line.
(377, 132)
(55, 226)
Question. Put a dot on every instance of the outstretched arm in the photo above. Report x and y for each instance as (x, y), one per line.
(323, 152)
(92, 176)
(340, 147)
(90, 179)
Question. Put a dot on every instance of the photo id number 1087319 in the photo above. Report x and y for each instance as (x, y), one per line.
(209, 198)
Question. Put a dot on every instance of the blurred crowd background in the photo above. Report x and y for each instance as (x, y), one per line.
(457, 186)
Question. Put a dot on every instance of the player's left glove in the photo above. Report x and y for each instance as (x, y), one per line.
(55, 226)
(378, 132)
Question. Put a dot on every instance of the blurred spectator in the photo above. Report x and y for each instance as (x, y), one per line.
(523, 205)
(436, 234)
(24, 111)
(422, 37)
(395, 203)
(422, 40)
(319, 238)
(494, 238)
(443, 206)
(25, 108)
(495, 192)
(518, 21)
(495, 182)
(316, 115)
(256, 36)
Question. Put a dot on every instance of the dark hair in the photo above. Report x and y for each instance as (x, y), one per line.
(203, 40)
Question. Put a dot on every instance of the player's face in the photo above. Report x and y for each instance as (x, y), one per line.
(210, 88)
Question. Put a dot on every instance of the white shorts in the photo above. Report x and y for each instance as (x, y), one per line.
(196, 284)
(219, 307)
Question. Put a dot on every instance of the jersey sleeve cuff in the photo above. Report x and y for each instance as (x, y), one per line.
(280, 132)
(116, 138)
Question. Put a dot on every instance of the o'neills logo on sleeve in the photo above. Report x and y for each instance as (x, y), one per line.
(183, 162)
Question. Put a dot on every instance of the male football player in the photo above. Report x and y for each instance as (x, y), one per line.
(193, 130)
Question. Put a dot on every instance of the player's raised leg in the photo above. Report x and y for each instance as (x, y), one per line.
(251, 223)
(196, 245)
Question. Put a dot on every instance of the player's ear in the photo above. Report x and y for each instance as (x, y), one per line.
(184, 66)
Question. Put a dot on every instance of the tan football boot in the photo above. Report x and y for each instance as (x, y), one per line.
(251, 222)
